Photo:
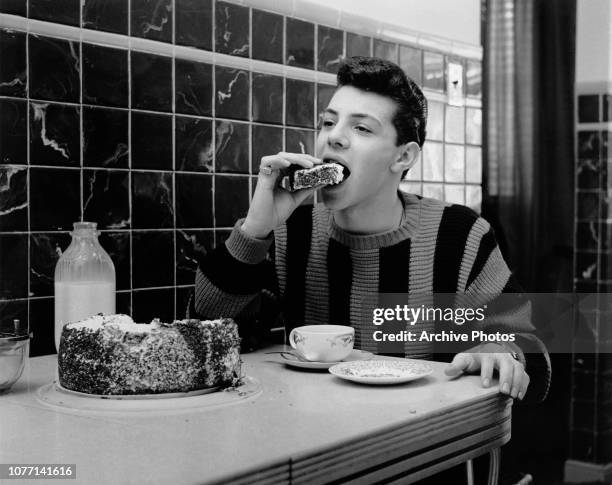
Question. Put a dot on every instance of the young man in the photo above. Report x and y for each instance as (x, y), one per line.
(366, 236)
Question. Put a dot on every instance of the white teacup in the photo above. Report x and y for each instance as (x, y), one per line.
(323, 343)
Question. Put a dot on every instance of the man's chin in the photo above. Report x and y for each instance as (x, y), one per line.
(331, 197)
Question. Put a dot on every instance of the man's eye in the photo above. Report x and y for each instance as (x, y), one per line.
(363, 129)
(327, 123)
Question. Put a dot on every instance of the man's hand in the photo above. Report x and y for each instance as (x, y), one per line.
(271, 205)
(513, 379)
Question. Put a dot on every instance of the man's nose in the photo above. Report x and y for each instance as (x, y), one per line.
(337, 138)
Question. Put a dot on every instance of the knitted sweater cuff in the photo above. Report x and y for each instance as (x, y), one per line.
(245, 248)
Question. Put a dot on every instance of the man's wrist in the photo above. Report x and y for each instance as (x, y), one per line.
(254, 232)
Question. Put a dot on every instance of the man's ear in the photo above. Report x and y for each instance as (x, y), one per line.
(408, 156)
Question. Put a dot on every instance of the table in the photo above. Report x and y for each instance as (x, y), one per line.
(303, 427)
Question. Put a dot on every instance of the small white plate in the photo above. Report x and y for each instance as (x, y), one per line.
(381, 371)
(293, 360)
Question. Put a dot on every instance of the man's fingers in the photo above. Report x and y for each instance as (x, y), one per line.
(524, 386)
(303, 159)
(506, 373)
(461, 363)
(273, 162)
(487, 364)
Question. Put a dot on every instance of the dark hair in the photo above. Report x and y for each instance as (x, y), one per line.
(388, 79)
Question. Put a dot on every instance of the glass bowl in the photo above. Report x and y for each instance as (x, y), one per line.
(13, 354)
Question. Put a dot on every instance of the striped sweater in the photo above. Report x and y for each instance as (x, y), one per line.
(322, 274)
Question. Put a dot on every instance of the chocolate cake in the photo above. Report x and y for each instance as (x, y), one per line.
(319, 175)
(112, 355)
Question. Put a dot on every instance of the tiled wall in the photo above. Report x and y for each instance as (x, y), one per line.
(592, 363)
(150, 118)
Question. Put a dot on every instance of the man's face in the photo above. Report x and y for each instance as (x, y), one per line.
(357, 131)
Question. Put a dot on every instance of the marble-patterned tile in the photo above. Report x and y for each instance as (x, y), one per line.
(64, 12)
(416, 172)
(267, 140)
(330, 48)
(455, 124)
(433, 161)
(151, 141)
(605, 209)
(13, 198)
(587, 236)
(151, 81)
(106, 15)
(267, 98)
(54, 69)
(299, 105)
(589, 144)
(194, 204)
(150, 304)
(411, 61)
(586, 266)
(13, 132)
(231, 199)
(183, 293)
(13, 266)
(54, 134)
(588, 108)
(123, 302)
(473, 126)
(222, 235)
(358, 45)
(194, 23)
(117, 245)
(588, 173)
(42, 327)
(454, 194)
(473, 75)
(55, 199)
(13, 72)
(433, 191)
(151, 19)
(14, 7)
(11, 310)
(299, 49)
(473, 165)
(105, 76)
(454, 163)
(152, 259)
(193, 87)
(232, 147)
(324, 96)
(105, 138)
(300, 141)
(607, 107)
(190, 246)
(385, 50)
(45, 250)
(232, 29)
(433, 71)
(232, 99)
(106, 198)
(152, 206)
(267, 36)
(588, 205)
(435, 121)
(194, 145)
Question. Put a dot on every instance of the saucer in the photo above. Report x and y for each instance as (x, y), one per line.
(382, 371)
(293, 360)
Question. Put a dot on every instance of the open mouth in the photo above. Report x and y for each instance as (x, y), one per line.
(346, 173)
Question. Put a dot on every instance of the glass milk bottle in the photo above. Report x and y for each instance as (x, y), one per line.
(84, 279)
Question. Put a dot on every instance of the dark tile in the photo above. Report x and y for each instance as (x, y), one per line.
(606, 151)
(231, 199)
(588, 108)
(151, 19)
(586, 266)
(583, 413)
(194, 206)
(232, 100)
(54, 69)
(190, 246)
(331, 49)
(106, 198)
(589, 144)
(300, 43)
(107, 15)
(64, 12)
(385, 50)
(232, 29)
(13, 198)
(13, 132)
(117, 245)
(194, 23)
(150, 304)
(124, 302)
(358, 45)
(45, 250)
(582, 445)
(152, 200)
(221, 236)
(151, 81)
(105, 76)
(14, 7)
(267, 140)
(232, 147)
(473, 77)
(299, 141)
(193, 87)
(411, 61)
(584, 385)
(433, 71)
(299, 106)
(13, 266)
(151, 141)
(105, 138)
(607, 107)
(13, 72)
(605, 266)
(182, 299)
(55, 199)
(588, 173)
(324, 96)
(267, 98)
(605, 232)
(587, 235)
(42, 326)
(55, 137)
(267, 36)
(194, 145)
(152, 259)
(11, 310)
(604, 440)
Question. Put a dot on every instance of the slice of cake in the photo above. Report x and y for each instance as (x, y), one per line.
(112, 355)
(319, 175)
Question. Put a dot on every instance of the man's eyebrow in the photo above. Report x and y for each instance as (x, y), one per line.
(354, 115)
